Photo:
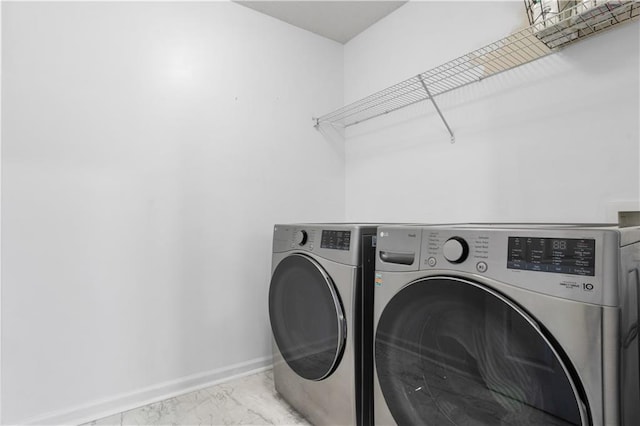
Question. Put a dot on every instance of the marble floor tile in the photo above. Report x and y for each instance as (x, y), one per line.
(250, 400)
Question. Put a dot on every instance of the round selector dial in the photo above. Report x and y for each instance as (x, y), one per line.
(300, 238)
(455, 250)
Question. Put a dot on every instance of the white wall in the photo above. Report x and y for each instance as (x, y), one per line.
(147, 151)
(554, 140)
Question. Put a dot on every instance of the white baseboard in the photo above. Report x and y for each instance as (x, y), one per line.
(126, 401)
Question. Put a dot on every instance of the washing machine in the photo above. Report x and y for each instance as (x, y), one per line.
(321, 316)
(507, 325)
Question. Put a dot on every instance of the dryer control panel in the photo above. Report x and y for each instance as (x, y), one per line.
(337, 242)
(335, 239)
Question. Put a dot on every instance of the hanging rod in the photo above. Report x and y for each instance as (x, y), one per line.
(519, 48)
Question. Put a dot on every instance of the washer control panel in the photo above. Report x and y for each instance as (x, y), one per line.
(575, 256)
(572, 263)
(575, 262)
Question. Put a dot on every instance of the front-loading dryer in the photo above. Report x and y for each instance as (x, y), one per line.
(320, 310)
(507, 325)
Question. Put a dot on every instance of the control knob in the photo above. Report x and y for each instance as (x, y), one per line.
(300, 238)
(455, 250)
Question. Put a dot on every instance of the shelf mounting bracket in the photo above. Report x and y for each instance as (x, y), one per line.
(426, 89)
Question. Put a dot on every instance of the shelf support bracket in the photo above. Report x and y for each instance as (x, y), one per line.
(426, 89)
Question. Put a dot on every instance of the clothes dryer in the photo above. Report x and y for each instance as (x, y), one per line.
(507, 325)
(321, 318)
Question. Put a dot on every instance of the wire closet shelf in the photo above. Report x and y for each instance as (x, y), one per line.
(529, 44)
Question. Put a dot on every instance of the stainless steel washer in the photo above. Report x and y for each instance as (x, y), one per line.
(507, 325)
(321, 319)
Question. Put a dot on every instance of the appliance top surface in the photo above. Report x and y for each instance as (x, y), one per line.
(628, 235)
(333, 225)
(535, 225)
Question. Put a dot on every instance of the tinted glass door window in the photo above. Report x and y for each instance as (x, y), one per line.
(307, 318)
(450, 352)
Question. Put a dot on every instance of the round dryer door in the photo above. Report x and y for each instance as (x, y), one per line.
(453, 352)
(307, 318)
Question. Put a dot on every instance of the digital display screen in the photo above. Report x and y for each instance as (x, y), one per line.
(336, 240)
(557, 255)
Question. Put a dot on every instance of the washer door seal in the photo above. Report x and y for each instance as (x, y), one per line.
(307, 317)
(450, 351)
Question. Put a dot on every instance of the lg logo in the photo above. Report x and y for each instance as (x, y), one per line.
(587, 286)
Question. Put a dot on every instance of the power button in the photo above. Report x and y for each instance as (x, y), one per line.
(481, 267)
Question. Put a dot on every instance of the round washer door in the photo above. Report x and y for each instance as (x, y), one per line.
(452, 352)
(307, 318)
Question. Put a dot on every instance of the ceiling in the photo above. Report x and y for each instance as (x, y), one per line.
(337, 20)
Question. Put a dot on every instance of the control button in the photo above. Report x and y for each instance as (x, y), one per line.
(431, 261)
(300, 238)
(455, 250)
(311, 247)
(481, 267)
